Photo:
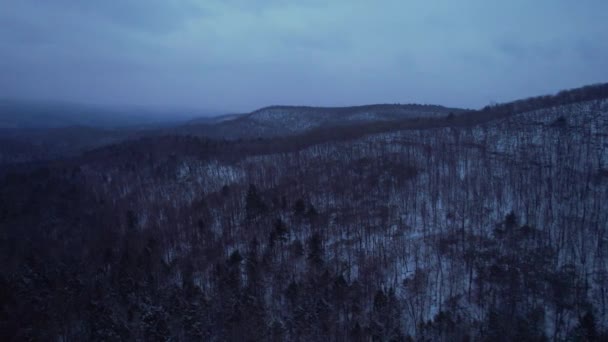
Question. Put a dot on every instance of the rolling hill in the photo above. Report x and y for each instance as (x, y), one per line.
(278, 121)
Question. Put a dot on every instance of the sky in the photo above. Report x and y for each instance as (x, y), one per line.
(239, 55)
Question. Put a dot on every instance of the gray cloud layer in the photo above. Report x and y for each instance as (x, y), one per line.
(242, 54)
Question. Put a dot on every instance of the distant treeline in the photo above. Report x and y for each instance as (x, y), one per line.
(385, 107)
(564, 97)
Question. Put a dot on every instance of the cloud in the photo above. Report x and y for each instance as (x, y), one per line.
(239, 54)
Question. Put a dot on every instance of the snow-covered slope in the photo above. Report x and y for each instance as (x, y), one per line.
(400, 205)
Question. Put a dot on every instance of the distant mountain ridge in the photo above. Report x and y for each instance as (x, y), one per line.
(289, 120)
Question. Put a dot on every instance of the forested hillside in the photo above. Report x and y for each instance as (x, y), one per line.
(486, 225)
(288, 121)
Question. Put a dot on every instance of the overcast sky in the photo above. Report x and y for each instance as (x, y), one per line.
(237, 55)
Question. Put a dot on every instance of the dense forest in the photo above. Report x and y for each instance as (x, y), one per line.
(487, 225)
